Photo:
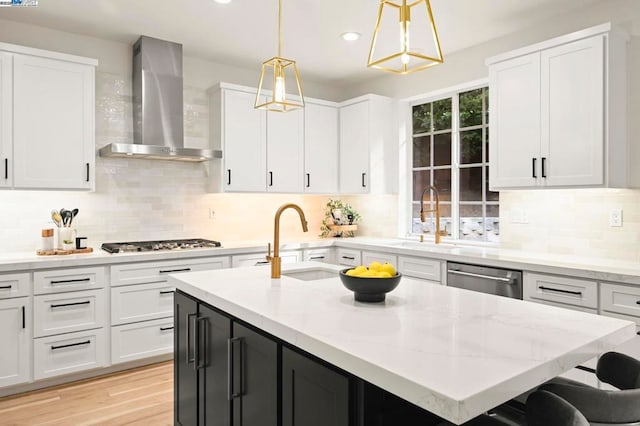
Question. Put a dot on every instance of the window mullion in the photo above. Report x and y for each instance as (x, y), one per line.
(455, 167)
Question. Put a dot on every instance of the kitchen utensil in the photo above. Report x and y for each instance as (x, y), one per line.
(74, 213)
(57, 219)
(62, 215)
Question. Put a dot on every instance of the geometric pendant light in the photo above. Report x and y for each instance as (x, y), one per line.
(411, 46)
(279, 88)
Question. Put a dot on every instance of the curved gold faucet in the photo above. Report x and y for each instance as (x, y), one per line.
(436, 210)
(275, 260)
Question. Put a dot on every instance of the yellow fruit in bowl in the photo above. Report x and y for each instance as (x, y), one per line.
(388, 268)
(383, 274)
(360, 269)
(351, 272)
(374, 266)
(368, 274)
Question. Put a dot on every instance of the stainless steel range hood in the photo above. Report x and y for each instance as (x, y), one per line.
(157, 106)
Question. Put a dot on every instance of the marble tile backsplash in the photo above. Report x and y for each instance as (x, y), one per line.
(571, 221)
(147, 199)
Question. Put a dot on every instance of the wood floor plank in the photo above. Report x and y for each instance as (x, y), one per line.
(142, 396)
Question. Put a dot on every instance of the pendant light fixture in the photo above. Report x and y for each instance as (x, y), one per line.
(411, 46)
(276, 72)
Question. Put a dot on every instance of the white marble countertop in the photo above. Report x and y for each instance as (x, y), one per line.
(573, 266)
(453, 352)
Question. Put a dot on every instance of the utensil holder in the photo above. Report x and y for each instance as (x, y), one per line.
(67, 238)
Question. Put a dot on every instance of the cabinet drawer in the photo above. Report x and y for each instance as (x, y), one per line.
(141, 340)
(69, 353)
(260, 259)
(148, 272)
(326, 255)
(564, 290)
(14, 285)
(369, 256)
(620, 299)
(141, 302)
(67, 312)
(59, 280)
(426, 269)
(348, 257)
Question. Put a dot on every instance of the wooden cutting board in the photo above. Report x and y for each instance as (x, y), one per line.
(60, 252)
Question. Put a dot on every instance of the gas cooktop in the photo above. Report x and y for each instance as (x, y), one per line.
(130, 247)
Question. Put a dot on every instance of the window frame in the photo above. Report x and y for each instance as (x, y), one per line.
(405, 193)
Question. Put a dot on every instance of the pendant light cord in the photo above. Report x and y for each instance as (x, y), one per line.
(279, 27)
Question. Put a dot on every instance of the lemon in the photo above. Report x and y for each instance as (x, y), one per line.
(374, 266)
(360, 269)
(383, 274)
(351, 272)
(387, 267)
(368, 274)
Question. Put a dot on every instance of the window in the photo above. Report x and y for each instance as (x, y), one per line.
(450, 152)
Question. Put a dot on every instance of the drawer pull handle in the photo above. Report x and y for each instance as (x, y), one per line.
(261, 262)
(5, 287)
(6, 169)
(62, 305)
(88, 172)
(70, 345)
(638, 302)
(167, 292)
(487, 277)
(231, 394)
(24, 318)
(316, 257)
(638, 333)
(166, 328)
(349, 257)
(189, 333)
(77, 280)
(168, 271)
(577, 293)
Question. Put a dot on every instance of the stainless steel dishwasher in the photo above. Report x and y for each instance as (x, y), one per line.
(485, 279)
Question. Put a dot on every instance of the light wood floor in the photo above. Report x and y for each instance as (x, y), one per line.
(143, 396)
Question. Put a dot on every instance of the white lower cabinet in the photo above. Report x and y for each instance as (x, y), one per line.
(141, 340)
(69, 353)
(141, 302)
(260, 259)
(67, 312)
(348, 257)
(425, 269)
(14, 285)
(572, 292)
(15, 335)
(623, 301)
(326, 255)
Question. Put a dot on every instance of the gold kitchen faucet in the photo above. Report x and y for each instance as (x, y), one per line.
(436, 210)
(276, 262)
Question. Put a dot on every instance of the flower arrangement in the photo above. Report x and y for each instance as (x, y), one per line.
(337, 213)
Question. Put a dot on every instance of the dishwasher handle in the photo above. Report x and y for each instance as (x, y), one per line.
(488, 277)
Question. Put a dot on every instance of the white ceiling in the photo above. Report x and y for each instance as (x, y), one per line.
(243, 33)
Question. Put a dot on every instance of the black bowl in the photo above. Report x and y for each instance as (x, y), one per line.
(368, 289)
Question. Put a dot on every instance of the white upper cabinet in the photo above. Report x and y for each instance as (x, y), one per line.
(354, 148)
(285, 153)
(368, 146)
(242, 137)
(514, 105)
(558, 113)
(320, 149)
(53, 123)
(6, 102)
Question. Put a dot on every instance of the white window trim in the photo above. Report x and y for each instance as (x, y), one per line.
(405, 147)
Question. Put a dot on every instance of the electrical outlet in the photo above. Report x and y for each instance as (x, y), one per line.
(615, 217)
(212, 213)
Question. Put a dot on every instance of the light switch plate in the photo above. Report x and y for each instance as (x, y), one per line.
(615, 217)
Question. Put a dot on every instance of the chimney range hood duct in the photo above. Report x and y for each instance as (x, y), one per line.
(157, 106)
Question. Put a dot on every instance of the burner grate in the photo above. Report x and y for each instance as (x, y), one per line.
(163, 245)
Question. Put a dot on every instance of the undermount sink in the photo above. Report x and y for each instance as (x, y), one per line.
(311, 274)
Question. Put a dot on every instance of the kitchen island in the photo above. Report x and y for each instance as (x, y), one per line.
(452, 352)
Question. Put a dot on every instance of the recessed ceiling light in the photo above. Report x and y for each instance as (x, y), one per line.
(222, 1)
(350, 36)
